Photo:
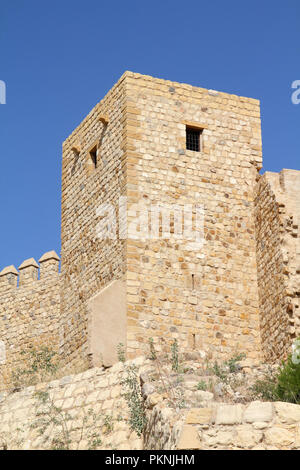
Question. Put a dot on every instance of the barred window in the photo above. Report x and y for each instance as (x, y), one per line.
(193, 139)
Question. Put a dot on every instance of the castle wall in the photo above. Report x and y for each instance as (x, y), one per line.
(90, 259)
(29, 316)
(278, 251)
(207, 298)
(236, 292)
(288, 196)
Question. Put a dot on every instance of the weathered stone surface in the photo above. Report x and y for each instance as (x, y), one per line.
(225, 438)
(247, 437)
(258, 411)
(279, 437)
(199, 416)
(236, 293)
(204, 396)
(77, 396)
(260, 425)
(288, 412)
(189, 438)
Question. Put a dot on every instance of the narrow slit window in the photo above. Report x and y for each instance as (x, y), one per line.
(193, 139)
(93, 155)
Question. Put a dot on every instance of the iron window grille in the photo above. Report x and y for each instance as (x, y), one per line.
(193, 139)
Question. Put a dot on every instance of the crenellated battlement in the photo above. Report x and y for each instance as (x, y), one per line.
(29, 272)
(29, 311)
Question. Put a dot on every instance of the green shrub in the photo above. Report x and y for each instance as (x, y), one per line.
(288, 382)
(153, 355)
(233, 362)
(55, 425)
(40, 366)
(121, 352)
(230, 366)
(285, 384)
(265, 388)
(137, 419)
(175, 356)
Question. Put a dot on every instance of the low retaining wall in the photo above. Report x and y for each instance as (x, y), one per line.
(96, 389)
(96, 415)
(256, 425)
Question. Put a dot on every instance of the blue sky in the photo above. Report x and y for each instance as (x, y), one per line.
(59, 58)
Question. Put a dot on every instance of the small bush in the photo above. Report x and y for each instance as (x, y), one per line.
(202, 386)
(137, 419)
(40, 366)
(233, 362)
(285, 384)
(55, 425)
(153, 355)
(265, 388)
(288, 382)
(230, 366)
(121, 352)
(175, 356)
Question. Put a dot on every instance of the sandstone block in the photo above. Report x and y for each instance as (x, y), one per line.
(189, 438)
(199, 416)
(229, 414)
(247, 437)
(204, 396)
(288, 412)
(279, 437)
(258, 411)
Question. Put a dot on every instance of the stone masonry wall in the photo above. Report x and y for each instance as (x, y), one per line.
(286, 187)
(277, 232)
(29, 312)
(90, 262)
(206, 298)
(254, 426)
(96, 389)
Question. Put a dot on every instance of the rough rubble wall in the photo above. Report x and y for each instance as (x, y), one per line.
(96, 389)
(90, 262)
(206, 298)
(212, 425)
(29, 317)
(286, 188)
(277, 203)
(254, 426)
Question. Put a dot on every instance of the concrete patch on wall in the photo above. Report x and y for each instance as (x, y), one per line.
(107, 324)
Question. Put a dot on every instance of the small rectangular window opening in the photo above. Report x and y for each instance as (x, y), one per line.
(93, 155)
(193, 139)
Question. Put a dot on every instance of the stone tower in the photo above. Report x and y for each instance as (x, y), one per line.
(132, 149)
